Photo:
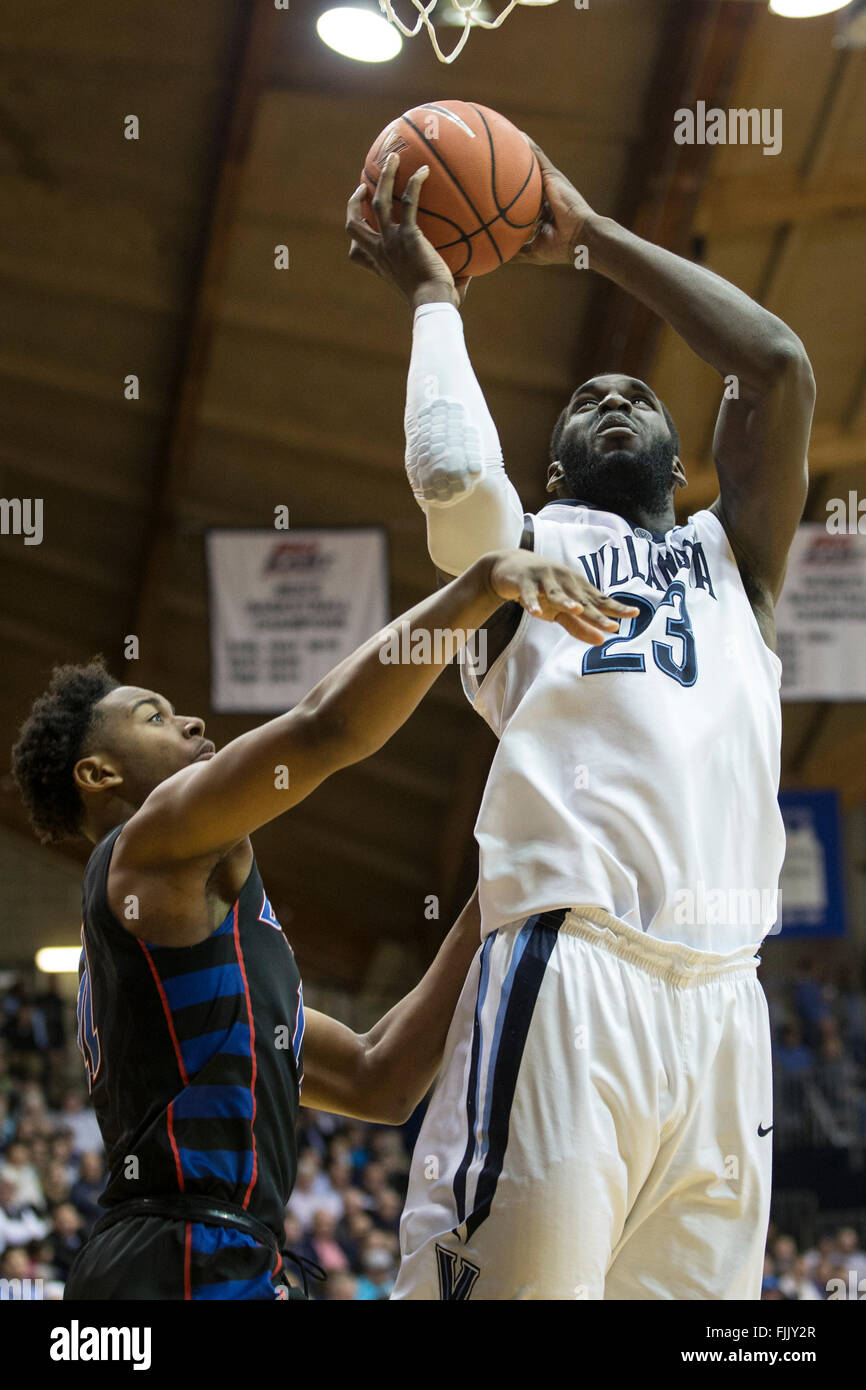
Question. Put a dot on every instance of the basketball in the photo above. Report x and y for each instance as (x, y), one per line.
(482, 197)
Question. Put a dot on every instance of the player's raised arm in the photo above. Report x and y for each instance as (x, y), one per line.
(382, 1075)
(213, 804)
(762, 432)
(453, 454)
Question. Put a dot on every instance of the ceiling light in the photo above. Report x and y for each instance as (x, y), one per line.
(58, 960)
(805, 9)
(359, 34)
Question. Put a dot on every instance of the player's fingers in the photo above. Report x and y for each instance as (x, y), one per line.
(612, 605)
(362, 257)
(530, 597)
(583, 631)
(411, 196)
(594, 615)
(546, 165)
(559, 598)
(355, 212)
(383, 197)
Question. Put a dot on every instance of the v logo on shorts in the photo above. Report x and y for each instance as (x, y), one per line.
(456, 1275)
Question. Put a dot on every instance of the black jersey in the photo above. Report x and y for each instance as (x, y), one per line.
(193, 1053)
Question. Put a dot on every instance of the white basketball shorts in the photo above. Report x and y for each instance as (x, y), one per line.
(600, 1126)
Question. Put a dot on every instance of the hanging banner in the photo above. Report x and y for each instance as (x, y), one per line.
(811, 886)
(287, 607)
(821, 616)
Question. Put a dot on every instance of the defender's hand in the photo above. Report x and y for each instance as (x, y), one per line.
(556, 594)
(564, 212)
(400, 253)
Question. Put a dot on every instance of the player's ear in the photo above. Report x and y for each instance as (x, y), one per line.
(96, 773)
(555, 477)
(678, 473)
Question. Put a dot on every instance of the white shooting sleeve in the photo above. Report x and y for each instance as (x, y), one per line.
(453, 455)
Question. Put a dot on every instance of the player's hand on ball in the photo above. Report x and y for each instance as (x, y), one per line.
(556, 594)
(400, 253)
(564, 212)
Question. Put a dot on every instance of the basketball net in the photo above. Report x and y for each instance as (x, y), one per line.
(466, 8)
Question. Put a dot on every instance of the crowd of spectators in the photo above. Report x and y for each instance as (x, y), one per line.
(343, 1215)
(52, 1166)
(818, 1019)
(819, 1013)
(345, 1210)
(834, 1268)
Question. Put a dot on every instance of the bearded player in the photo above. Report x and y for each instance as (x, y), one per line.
(190, 1009)
(600, 1127)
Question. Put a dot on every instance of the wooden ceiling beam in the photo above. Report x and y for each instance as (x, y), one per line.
(734, 204)
(842, 90)
(699, 53)
(258, 34)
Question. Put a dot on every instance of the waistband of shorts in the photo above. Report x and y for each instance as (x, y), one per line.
(192, 1208)
(671, 961)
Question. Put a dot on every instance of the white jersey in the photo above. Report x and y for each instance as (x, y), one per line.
(638, 778)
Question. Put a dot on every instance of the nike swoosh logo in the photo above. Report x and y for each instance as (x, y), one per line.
(762, 1132)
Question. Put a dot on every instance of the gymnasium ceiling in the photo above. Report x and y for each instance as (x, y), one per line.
(260, 387)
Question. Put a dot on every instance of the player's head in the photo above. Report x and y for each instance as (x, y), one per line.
(91, 751)
(616, 445)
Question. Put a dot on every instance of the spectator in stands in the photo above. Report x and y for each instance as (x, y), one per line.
(793, 1057)
(18, 1169)
(388, 1210)
(327, 1250)
(313, 1192)
(7, 1120)
(85, 1193)
(812, 1007)
(67, 1237)
(797, 1285)
(851, 1253)
(379, 1266)
(55, 1184)
(81, 1123)
(341, 1287)
(852, 1014)
(18, 1224)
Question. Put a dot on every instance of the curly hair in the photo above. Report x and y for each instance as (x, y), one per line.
(51, 740)
(563, 416)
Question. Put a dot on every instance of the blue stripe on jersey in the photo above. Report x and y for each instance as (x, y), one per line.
(473, 1082)
(524, 993)
(234, 1042)
(236, 1288)
(206, 1240)
(213, 1103)
(200, 986)
(227, 1164)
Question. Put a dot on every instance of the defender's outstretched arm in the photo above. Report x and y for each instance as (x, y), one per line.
(212, 805)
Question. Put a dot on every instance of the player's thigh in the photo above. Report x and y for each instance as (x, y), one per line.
(698, 1227)
(525, 1167)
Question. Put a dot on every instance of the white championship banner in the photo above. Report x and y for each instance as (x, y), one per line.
(287, 606)
(821, 616)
